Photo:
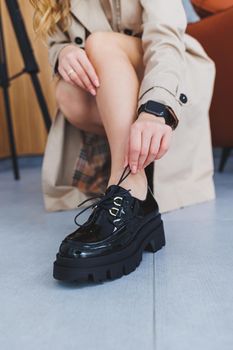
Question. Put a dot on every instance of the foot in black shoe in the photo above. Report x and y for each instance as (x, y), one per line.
(136, 182)
(111, 242)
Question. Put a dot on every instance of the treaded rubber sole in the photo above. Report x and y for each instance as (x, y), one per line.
(153, 242)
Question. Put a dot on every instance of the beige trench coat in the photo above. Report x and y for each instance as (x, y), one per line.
(175, 64)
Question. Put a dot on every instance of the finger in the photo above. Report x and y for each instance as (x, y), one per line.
(164, 145)
(145, 145)
(89, 69)
(134, 148)
(74, 77)
(83, 77)
(154, 148)
(65, 76)
(126, 157)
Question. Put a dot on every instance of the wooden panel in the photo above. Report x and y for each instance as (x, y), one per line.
(30, 133)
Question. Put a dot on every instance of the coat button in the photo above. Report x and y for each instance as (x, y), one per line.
(183, 98)
(78, 40)
(128, 31)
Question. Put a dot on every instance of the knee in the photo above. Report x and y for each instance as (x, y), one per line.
(99, 44)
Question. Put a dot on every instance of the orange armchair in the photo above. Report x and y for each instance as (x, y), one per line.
(215, 32)
(208, 7)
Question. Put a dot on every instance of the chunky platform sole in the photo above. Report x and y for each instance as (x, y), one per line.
(110, 266)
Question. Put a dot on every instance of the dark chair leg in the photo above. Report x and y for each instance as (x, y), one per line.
(225, 155)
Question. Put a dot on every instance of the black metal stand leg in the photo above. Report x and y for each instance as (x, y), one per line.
(11, 135)
(31, 68)
(4, 83)
(225, 155)
(41, 100)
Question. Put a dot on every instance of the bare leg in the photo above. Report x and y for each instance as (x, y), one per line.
(117, 59)
(79, 107)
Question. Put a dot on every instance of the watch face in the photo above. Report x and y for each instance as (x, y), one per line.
(155, 108)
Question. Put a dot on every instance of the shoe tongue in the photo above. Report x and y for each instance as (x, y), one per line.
(106, 226)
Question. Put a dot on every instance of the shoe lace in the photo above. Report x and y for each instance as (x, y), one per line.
(102, 202)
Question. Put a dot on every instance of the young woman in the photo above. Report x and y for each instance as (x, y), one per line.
(127, 73)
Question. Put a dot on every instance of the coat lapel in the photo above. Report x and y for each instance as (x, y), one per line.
(90, 14)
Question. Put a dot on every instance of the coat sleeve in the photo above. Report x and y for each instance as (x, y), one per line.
(56, 43)
(164, 25)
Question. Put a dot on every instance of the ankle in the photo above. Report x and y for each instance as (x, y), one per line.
(136, 182)
(116, 175)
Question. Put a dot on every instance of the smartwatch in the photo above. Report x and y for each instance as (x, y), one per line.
(160, 110)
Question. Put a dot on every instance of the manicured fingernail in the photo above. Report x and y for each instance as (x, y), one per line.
(93, 92)
(97, 83)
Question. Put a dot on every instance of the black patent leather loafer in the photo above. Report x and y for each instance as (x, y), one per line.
(111, 242)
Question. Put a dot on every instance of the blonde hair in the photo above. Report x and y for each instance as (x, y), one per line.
(48, 14)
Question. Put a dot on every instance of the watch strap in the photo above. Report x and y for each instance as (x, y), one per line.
(165, 111)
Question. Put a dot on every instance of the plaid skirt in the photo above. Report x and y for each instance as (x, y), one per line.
(93, 165)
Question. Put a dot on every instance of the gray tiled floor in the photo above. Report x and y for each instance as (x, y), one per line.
(180, 298)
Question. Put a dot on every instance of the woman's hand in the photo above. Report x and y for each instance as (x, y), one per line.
(72, 57)
(149, 139)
